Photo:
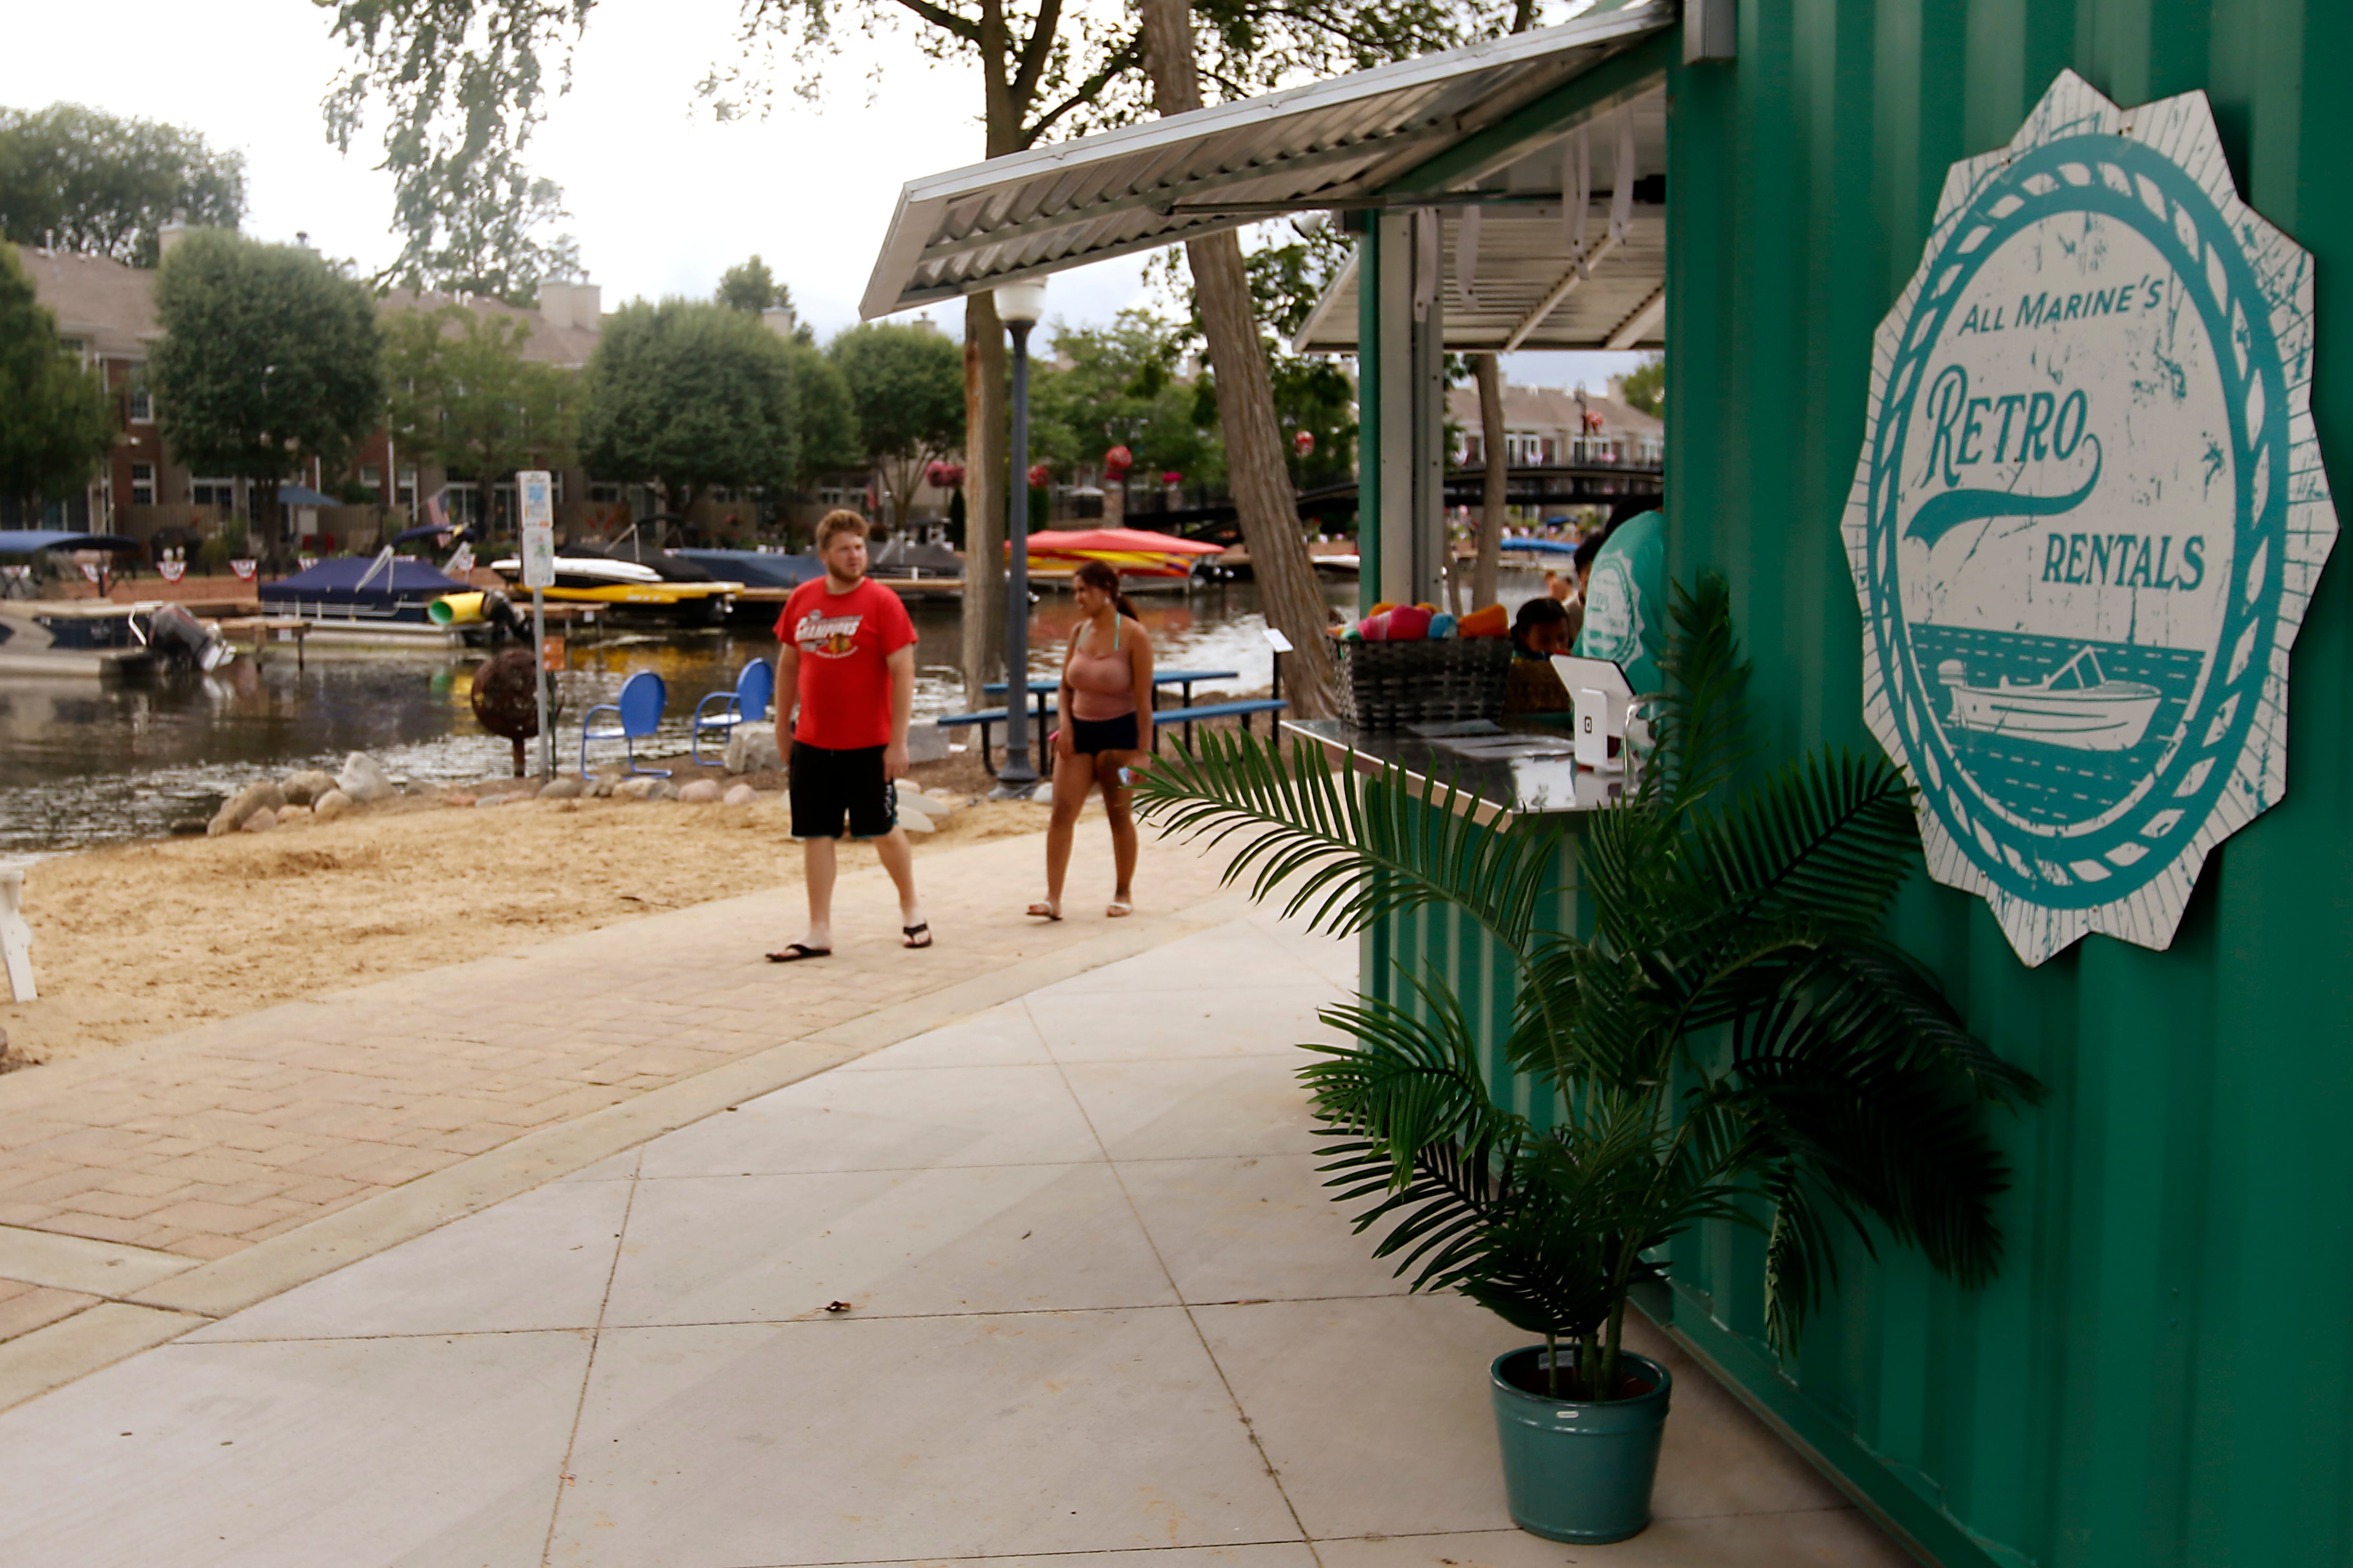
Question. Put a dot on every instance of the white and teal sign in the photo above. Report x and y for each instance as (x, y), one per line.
(2087, 514)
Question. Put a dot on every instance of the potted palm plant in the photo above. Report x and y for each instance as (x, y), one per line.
(1733, 1040)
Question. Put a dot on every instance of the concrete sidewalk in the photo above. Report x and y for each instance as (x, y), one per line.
(1054, 1280)
(202, 1172)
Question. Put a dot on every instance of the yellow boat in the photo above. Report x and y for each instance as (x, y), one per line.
(669, 589)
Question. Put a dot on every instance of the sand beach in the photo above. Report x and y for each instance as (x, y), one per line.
(140, 940)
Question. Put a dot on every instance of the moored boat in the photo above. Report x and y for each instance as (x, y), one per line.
(384, 601)
(662, 586)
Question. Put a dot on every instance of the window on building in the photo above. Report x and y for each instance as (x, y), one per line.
(143, 484)
(221, 493)
(73, 346)
(142, 405)
(371, 477)
(604, 495)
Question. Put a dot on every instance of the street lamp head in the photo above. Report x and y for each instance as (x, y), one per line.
(1022, 304)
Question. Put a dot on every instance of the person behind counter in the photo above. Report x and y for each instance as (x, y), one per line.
(1543, 628)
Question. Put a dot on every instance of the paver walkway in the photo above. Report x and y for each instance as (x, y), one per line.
(1054, 1281)
(241, 1144)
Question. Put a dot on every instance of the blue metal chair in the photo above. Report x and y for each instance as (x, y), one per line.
(637, 715)
(747, 704)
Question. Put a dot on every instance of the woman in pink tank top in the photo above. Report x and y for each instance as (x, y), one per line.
(1106, 706)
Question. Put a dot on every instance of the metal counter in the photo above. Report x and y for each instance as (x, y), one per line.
(1488, 790)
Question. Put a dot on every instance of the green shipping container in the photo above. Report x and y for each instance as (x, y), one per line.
(2163, 1373)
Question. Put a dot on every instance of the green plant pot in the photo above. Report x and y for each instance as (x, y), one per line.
(1574, 1469)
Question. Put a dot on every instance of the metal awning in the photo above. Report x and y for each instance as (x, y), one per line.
(1328, 144)
(1508, 274)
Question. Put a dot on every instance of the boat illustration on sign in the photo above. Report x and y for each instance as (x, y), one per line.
(2076, 706)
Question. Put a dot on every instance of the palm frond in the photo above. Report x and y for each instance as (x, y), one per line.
(1829, 835)
(1350, 850)
(1701, 721)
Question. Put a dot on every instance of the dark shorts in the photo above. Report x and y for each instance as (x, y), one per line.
(1091, 736)
(827, 785)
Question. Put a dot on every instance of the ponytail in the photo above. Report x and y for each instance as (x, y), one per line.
(1100, 574)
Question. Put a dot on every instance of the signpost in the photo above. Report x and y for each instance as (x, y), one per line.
(537, 489)
(2086, 515)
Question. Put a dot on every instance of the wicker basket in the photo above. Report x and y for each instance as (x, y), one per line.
(1389, 685)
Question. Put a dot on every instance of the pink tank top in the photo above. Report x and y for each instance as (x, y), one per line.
(1103, 684)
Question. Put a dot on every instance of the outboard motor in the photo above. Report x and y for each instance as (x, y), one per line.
(187, 642)
(504, 618)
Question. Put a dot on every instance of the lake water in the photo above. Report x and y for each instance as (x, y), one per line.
(84, 765)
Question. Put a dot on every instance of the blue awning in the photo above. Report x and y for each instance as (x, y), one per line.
(303, 494)
(28, 541)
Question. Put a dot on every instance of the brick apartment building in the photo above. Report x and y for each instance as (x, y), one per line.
(106, 313)
(1543, 426)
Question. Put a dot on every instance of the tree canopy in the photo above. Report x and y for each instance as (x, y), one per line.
(691, 394)
(1119, 386)
(830, 437)
(269, 356)
(1645, 387)
(906, 389)
(464, 397)
(750, 285)
(56, 418)
(106, 186)
(1311, 392)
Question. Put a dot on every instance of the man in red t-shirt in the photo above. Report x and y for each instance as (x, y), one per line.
(848, 661)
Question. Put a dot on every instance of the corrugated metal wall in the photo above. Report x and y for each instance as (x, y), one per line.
(2160, 1376)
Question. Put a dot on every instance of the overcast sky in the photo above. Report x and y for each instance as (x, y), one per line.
(662, 198)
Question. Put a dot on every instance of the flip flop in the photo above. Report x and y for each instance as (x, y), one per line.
(917, 935)
(796, 951)
(1045, 911)
(1118, 908)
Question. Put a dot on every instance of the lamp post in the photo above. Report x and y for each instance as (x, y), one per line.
(1018, 305)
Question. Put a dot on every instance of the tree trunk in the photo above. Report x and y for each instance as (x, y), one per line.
(1254, 461)
(985, 455)
(1492, 492)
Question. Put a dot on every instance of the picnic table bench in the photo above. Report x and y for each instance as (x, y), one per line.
(987, 719)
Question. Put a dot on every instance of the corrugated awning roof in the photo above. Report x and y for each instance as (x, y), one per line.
(1510, 281)
(1328, 143)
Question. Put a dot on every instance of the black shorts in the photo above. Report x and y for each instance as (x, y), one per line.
(826, 786)
(1090, 736)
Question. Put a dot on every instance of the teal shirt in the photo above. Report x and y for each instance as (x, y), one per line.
(1626, 602)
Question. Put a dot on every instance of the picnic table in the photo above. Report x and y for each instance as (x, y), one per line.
(1044, 691)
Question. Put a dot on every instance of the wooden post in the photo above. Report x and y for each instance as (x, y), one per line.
(15, 936)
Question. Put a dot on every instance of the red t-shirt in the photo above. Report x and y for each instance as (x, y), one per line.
(845, 640)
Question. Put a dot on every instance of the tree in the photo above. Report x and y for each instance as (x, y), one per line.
(906, 386)
(828, 421)
(464, 83)
(464, 397)
(1311, 393)
(1255, 468)
(689, 395)
(467, 85)
(105, 186)
(1645, 387)
(269, 357)
(56, 418)
(1117, 386)
(749, 286)
(1495, 483)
